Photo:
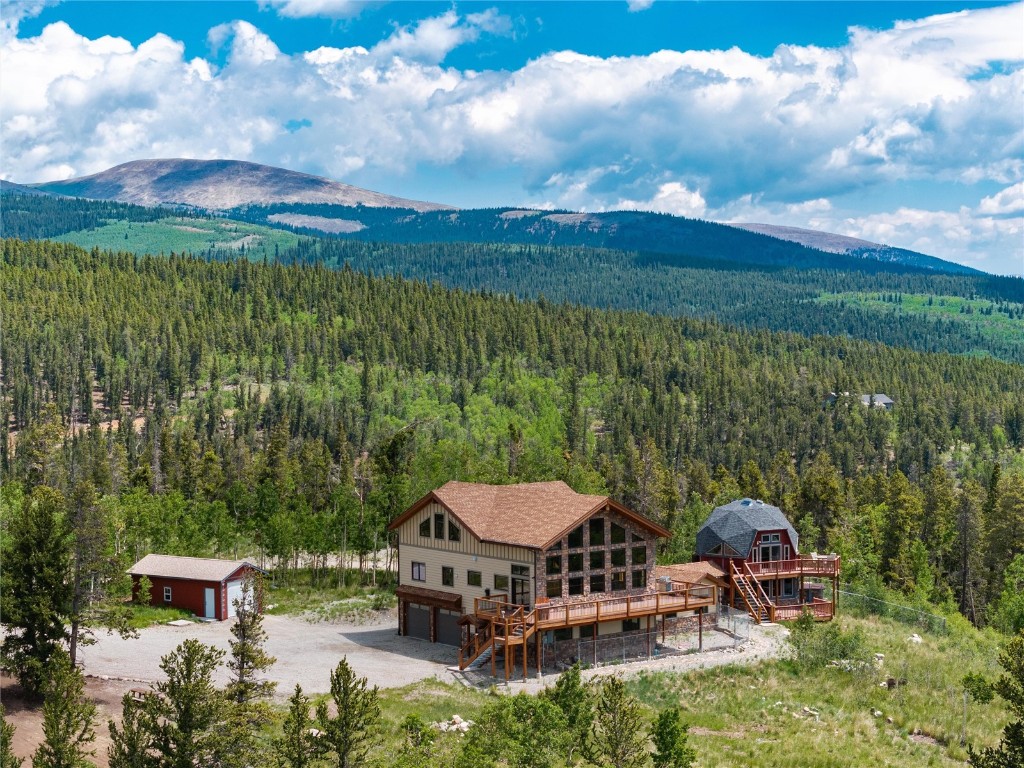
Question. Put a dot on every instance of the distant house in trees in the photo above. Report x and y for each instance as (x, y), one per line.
(532, 572)
(205, 586)
(877, 400)
(756, 549)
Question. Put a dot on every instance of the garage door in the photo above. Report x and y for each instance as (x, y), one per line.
(418, 624)
(234, 593)
(448, 630)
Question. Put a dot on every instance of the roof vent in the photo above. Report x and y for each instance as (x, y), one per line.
(759, 503)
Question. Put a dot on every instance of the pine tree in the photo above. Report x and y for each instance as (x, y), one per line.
(68, 718)
(248, 657)
(577, 703)
(1010, 687)
(296, 747)
(36, 591)
(619, 736)
(348, 736)
(188, 709)
(671, 749)
(131, 743)
(7, 758)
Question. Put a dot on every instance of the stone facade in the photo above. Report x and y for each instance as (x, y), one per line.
(599, 559)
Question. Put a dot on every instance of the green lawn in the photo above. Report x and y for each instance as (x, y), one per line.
(184, 235)
(148, 615)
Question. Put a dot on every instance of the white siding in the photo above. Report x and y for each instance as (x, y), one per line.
(461, 562)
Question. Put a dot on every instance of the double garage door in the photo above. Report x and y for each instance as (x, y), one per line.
(418, 624)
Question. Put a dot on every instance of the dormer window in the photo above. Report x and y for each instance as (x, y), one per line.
(425, 527)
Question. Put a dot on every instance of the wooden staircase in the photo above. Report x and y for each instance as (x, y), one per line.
(761, 609)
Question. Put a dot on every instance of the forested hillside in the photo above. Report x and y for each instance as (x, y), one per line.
(287, 408)
(989, 319)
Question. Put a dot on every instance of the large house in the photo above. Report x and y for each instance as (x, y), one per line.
(502, 571)
(756, 548)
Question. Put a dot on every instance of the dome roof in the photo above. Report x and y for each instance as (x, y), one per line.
(736, 524)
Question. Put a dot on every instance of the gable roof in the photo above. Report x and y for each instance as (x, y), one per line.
(530, 515)
(737, 523)
(197, 568)
(691, 573)
(880, 400)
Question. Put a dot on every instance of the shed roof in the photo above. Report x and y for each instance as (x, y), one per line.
(737, 523)
(197, 568)
(525, 515)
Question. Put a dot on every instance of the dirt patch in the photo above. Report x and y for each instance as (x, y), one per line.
(27, 718)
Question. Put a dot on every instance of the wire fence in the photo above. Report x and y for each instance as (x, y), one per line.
(727, 628)
(857, 603)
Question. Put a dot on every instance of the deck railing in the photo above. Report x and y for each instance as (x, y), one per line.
(804, 565)
(822, 610)
(507, 618)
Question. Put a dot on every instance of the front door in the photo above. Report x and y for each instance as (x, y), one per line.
(210, 604)
(520, 591)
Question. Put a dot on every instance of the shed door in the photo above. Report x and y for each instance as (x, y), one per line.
(234, 593)
(448, 630)
(210, 603)
(418, 624)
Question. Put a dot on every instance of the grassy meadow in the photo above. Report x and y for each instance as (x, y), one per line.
(993, 321)
(775, 714)
(183, 235)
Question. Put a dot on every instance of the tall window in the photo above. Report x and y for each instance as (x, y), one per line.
(419, 571)
(447, 576)
(167, 594)
(597, 532)
(439, 525)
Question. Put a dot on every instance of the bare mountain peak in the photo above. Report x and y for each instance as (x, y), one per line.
(220, 185)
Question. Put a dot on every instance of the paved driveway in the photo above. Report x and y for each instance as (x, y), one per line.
(306, 653)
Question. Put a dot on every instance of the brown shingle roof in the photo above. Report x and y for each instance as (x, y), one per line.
(198, 568)
(692, 573)
(523, 515)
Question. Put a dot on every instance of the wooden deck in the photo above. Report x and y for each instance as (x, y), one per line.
(805, 565)
(505, 626)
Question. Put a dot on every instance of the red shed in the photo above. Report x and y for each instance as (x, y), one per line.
(203, 585)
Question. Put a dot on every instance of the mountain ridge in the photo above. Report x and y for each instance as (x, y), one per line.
(291, 199)
(220, 185)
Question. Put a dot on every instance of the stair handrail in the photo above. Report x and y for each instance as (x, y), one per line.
(736, 576)
(769, 605)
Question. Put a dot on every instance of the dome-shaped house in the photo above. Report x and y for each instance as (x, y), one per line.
(758, 549)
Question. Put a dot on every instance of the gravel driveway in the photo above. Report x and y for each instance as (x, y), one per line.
(306, 653)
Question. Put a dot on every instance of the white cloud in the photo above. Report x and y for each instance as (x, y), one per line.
(15, 11)
(635, 6)
(431, 40)
(724, 132)
(1006, 201)
(671, 197)
(330, 9)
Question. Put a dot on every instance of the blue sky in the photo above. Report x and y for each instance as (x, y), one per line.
(895, 122)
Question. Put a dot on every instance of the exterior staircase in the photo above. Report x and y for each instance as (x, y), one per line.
(753, 596)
